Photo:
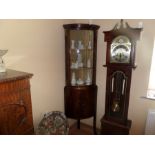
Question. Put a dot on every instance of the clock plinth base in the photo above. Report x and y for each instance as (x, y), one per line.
(113, 128)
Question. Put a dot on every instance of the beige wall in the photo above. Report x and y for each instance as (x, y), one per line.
(37, 46)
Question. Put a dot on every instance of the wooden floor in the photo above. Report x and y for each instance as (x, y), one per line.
(84, 130)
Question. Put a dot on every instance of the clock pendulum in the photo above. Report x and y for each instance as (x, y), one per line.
(120, 60)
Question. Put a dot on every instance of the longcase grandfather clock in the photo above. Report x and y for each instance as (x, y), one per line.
(80, 57)
(120, 60)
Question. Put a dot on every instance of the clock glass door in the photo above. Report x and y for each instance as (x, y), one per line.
(81, 57)
(120, 50)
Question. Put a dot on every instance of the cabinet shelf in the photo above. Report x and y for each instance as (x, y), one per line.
(81, 68)
(80, 85)
(84, 49)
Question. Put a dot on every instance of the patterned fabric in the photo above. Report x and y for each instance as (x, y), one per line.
(53, 123)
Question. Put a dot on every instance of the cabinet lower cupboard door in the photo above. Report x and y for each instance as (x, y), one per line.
(80, 102)
(15, 104)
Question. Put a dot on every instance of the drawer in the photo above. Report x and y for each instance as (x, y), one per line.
(14, 86)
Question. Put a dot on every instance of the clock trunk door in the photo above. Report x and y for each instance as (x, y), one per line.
(118, 86)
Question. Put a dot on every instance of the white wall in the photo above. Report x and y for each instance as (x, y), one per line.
(37, 46)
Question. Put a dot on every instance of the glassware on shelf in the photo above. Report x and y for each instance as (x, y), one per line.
(88, 63)
(89, 45)
(72, 44)
(88, 80)
(74, 65)
(80, 81)
(80, 45)
(73, 80)
(79, 59)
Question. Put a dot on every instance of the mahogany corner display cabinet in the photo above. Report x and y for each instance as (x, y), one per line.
(15, 103)
(120, 60)
(80, 92)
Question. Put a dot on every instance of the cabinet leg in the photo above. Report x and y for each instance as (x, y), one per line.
(78, 123)
(94, 125)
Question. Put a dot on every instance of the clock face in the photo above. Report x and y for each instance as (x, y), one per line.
(120, 50)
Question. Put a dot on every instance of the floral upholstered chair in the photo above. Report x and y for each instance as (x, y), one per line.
(53, 123)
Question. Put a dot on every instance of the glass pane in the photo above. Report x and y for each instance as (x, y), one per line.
(81, 76)
(81, 57)
(120, 50)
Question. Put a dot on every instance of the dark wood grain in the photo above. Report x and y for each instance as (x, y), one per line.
(114, 128)
(80, 102)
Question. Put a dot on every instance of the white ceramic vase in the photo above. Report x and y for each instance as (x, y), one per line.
(73, 81)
